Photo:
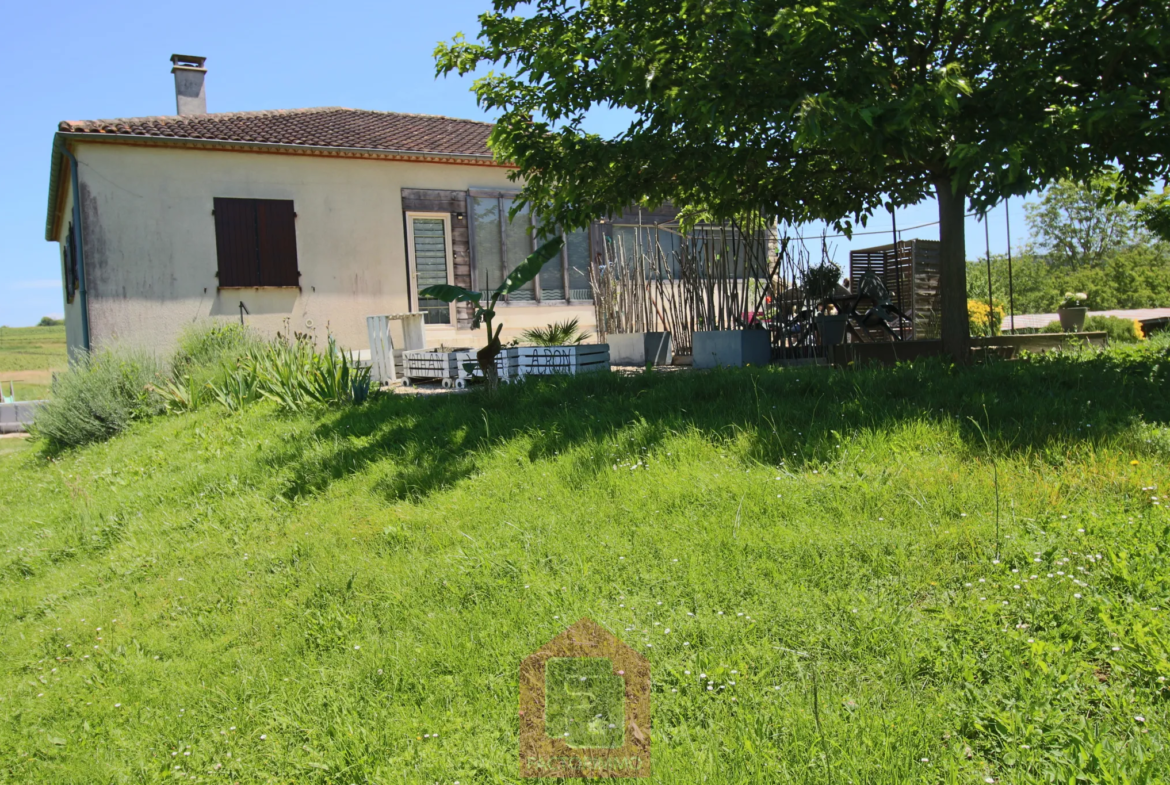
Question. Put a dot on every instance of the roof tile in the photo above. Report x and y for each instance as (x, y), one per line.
(323, 127)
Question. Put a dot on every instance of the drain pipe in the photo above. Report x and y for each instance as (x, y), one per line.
(81, 288)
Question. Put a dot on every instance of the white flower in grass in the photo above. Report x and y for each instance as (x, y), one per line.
(1077, 596)
(263, 737)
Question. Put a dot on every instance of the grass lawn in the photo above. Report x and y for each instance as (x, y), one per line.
(807, 557)
(28, 356)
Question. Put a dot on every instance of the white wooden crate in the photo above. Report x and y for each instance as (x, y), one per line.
(503, 367)
(425, 365)
(550, 360)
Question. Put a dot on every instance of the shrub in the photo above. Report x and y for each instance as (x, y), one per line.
(49, 321)
(209, 347)
(977, 319)
(567, 333)
(1119, 330)
(98, 397)
(1053, 327)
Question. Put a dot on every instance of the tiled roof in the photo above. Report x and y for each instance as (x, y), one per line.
(323, 127)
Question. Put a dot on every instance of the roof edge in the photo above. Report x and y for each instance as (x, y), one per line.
(58, 155)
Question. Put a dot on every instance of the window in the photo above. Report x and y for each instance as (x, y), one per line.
(577, 256)
(499, 245)
(69, 262)
(256, 242)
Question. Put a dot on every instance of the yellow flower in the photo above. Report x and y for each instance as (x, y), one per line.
(1133, 463)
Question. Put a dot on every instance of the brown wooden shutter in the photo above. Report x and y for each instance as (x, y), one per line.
(236, 242)
(256, 242)
(276, 224)
(70, 260)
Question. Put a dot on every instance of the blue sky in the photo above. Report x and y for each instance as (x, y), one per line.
(103, 60)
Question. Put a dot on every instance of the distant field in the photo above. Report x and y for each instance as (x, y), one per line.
(28, 357)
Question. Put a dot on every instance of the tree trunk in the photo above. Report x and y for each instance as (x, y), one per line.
(952, 202)
(487, 363)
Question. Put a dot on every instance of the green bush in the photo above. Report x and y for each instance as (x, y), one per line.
(1119, 330)
(98, 397)
(1053, 327)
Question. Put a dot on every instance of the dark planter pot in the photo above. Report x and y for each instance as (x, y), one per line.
(832, 329)
(1072, 320)
(731, 348)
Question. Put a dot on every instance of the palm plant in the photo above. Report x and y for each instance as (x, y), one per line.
(486, 314)
(567, 333)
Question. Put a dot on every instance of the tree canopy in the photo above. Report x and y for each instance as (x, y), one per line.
(823, 110)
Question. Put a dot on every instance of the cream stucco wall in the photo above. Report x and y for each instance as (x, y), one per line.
(150, 251)
(72, 310)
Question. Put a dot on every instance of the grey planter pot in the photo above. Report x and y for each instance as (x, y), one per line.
(731, 348)
(1072, 320)
(640, 348)
(832, 329)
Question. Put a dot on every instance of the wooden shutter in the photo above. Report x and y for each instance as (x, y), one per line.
(236, 242)
(256, 242)
(277, 229)
(70, 260)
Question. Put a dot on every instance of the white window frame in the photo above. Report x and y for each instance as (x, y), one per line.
(412, 267)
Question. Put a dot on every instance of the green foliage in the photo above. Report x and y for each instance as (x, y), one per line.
(293, 374)
(209, 346)
(98, 397)
(820, 111)
(820, 281)
(566, 333)
(1053, 327)
(1138, 277)
(268, 581)
(1077, 225)
(1084, 243)
(1119, 330)
(1154, 212)
(49, 321)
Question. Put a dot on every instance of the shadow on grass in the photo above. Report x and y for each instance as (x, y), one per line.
(796, 416)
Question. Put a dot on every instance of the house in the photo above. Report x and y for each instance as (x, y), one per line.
(302, 220)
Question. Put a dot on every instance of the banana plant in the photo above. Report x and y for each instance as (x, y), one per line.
(485, 313)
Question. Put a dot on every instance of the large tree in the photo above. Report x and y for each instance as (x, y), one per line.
(823, 110)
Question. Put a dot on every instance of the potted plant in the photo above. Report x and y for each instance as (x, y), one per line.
(1072, 311)
(819, 284)
(485, 313)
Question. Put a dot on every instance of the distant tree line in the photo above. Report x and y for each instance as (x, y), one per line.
(1081, 240)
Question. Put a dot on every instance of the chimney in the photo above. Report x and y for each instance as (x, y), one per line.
(189, 72)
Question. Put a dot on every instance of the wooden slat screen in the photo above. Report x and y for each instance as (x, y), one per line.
(256, 242)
